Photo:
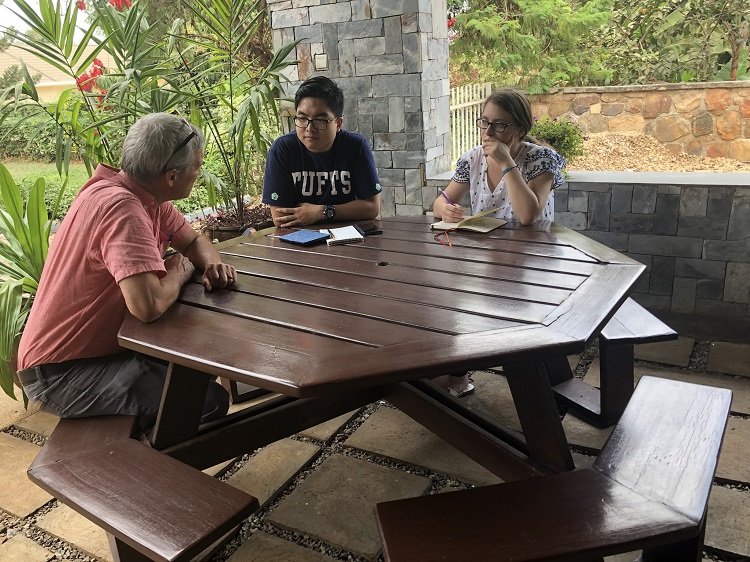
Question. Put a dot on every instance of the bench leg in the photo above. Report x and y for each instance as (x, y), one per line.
(537, 411)
(122, 552)
(181, 406)
(616, 380)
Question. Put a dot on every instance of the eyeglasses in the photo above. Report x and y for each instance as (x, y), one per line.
(318, 124)
(183, 144)
(497, 126)
(447, 238)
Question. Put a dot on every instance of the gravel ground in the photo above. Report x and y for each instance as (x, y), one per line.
(640, 153)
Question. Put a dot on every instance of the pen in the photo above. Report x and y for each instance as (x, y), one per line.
(445, 196)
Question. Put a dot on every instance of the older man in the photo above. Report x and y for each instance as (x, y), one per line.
(106, 260)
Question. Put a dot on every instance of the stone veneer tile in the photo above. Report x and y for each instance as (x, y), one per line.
(262, 547)
(336, 502)
(66, 524)
(584, 435)
(393, 434)
(675, 352)
(733, 463)
(272, 468)
(728, 520)
(730, 358)
(39, 422)
(19, 495)
(740, 387)
(22, 549)
(12, 411)
(493, 398)
(326, 430)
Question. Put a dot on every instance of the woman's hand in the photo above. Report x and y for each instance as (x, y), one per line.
(496, 149)
(452, 213)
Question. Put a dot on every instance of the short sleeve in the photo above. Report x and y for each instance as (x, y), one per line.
(461, 175)
(128, 247)
(367, 183)
(278, 188)
(543, 159)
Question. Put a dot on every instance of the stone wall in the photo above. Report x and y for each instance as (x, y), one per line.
(702, 119)
(691, 230)
(694, 238)
(391, 59)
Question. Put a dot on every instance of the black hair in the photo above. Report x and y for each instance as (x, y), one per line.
(322, 88)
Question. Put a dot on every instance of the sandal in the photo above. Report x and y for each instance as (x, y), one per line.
(465, 392)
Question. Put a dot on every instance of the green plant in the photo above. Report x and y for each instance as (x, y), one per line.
(565, 136)
(26, 229)
(206, 67)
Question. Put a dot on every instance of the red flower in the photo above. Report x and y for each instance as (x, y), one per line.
(86, 82)
(451, 22)
(81, 5)
(118, 4)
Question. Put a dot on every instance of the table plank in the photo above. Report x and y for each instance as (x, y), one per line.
(559, 280)
(454, 281)
(398, 312)
(350, 284)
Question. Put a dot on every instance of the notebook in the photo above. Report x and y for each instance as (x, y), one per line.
(477, 223)
(343, 235)
(305, 237)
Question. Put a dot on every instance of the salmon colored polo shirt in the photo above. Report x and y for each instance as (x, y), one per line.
(113, 230)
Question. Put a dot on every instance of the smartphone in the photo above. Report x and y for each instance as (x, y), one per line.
(369, 228)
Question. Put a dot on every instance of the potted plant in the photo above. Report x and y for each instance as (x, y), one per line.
(26, 230)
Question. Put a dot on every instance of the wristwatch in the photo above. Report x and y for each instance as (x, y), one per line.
(329, 213)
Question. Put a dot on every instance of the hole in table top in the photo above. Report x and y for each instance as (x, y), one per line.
(382, 263)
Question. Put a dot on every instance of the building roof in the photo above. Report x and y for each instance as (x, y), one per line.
(14, 55)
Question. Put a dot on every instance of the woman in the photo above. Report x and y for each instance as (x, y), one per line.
(507, 172)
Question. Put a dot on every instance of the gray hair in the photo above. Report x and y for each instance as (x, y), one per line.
(152, 146)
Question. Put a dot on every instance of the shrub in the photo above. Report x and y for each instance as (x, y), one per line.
(31, 137)
(565, 136)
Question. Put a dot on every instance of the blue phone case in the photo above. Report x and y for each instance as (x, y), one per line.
(304, 237)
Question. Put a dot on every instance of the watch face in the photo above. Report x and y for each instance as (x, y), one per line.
(330, 211)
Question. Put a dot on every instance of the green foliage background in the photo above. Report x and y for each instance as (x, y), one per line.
(542, 44)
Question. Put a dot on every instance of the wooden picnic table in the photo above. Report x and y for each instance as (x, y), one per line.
(333, 328)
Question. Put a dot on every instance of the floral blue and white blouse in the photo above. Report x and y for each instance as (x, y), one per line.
(533, 160)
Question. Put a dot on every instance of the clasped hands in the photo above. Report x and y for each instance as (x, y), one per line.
(302, 215)
(215, 276)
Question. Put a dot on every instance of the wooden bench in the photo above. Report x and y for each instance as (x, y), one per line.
(152, 506)
(648, 489)
(603, 406)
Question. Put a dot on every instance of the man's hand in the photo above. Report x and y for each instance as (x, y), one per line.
(218, 276)
(302, 215)
(180, 265)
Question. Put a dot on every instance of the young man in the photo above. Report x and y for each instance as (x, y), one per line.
(320, 172)
(107, 260)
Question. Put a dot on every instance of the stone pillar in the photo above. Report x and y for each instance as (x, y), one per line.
(390, 57)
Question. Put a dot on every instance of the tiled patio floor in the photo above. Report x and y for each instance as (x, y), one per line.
(317, 489)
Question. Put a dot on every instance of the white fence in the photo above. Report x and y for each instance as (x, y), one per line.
(466, 108)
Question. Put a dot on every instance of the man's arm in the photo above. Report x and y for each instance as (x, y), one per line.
(308, 213)
(203, 255)
(148, 297)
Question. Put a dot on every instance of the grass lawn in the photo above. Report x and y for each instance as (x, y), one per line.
(26, 172)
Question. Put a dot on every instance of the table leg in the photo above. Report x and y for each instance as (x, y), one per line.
(181, 406)
(537, 411)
